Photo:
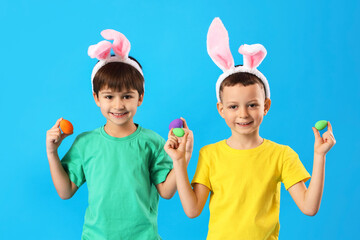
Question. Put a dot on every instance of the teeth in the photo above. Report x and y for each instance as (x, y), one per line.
(119, 114)
(244, 123)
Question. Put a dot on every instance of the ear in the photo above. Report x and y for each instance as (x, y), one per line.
(141, 98)
(253, 54)
(96, 99)
(121, 44)
(220, 108)
(218, 45)
(101, 51)
(267, 106)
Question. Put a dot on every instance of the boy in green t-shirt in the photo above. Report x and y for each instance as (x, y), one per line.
(124, 165)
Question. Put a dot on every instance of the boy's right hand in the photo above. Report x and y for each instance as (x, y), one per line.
(54, 137)
(180, 147)
(176, 147)
(173, 145)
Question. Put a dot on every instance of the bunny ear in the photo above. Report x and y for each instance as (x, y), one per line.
(121, 44)
(218, 45)
(100, 51)
(253, 54)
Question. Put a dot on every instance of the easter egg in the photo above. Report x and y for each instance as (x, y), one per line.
(66, 126)
(177, 123)
(320, 125)
(179, 132)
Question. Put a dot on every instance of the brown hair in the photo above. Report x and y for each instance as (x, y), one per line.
(118, 76)
(243, 78)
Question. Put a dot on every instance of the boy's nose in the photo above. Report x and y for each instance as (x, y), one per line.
(118, 104)
(242, 112)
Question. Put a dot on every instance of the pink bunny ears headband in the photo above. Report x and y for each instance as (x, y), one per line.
(219, 51)
(120, 46)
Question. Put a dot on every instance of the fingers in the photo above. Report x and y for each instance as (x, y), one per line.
(57, 124)
(316, 134)
(329, 138)
(186, 130)
(329, 127)
(171, 134)
(172, 142)
(54, 135)
(173, 138)
(185, 126)
(190, 137)
(188, 141)
(183, 141)
(184, 123)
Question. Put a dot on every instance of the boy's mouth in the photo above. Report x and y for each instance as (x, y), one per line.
(119, 115)
(245, 124)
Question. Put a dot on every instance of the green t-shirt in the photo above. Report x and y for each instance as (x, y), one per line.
(121, 174)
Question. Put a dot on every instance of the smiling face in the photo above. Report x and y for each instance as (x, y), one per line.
(119, 108)
(243, 108)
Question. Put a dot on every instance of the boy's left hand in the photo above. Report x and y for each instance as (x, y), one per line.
(189, 142)
(325, 142)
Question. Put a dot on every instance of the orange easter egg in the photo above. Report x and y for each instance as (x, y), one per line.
(66, 126)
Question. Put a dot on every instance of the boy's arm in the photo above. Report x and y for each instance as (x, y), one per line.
(64, 187)
(308, 200)
(167, 188)
(193, 200)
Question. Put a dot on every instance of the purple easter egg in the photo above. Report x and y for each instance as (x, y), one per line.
(177, 123)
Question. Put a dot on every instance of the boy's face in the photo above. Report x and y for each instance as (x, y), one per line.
(243, 108)
(118, 108)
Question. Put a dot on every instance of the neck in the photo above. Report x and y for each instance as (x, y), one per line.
(120, 131)
(243, 142)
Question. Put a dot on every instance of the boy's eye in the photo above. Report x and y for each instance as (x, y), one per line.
(233, 107)
(108, 97)
(253, 105)
(127, 96)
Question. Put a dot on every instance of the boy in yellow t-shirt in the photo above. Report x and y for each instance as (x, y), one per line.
(244, 172)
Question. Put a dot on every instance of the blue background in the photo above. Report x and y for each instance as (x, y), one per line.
(312, 68)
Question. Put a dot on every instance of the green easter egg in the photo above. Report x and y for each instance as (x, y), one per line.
(320, 125)
(179, 132)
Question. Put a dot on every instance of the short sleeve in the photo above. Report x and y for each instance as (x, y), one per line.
(202, 173)
(293, 171)
(72, 164)
(161, 164)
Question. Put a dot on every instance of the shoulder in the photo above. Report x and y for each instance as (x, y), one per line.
(86, 136)
(212, 147)
(150, 135)
(274, 145)
(151, 138)
(282, 149)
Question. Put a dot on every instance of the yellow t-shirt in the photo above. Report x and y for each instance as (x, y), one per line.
(245, 188)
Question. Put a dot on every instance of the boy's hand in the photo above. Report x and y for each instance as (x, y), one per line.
(189, 142)
(176, 147)
(326, 142)
(54, 137)
(179, 148)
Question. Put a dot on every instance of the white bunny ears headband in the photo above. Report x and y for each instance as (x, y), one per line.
(219, 51)
(120, 46)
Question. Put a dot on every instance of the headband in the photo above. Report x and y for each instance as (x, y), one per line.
(120, 46)
(219, 50)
